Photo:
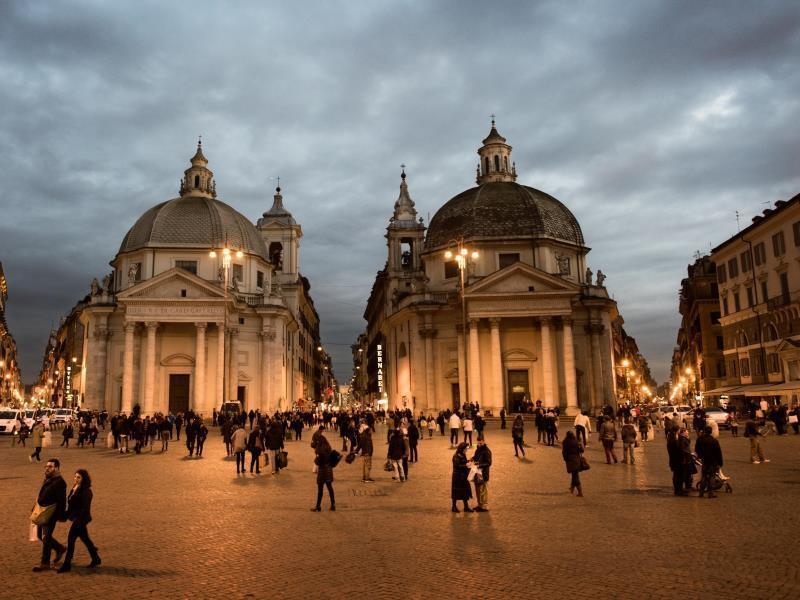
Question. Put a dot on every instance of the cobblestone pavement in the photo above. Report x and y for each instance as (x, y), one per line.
(171, 527)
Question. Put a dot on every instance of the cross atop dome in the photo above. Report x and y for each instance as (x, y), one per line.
(495, 164)
(198, 180)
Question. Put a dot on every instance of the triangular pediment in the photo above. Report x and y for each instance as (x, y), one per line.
(171, 284)
(521, 278)
(787, 345)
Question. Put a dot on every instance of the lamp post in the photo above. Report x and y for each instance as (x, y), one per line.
(461, 255)
(225, 252)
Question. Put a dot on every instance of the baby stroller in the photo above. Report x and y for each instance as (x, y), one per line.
(717, 481)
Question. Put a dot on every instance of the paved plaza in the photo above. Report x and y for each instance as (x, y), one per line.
(171, 527)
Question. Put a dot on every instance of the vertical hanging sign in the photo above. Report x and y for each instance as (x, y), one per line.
(380, 369)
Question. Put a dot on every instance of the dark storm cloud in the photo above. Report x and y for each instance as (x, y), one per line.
(652, 121)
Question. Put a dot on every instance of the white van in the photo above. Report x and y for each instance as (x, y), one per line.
(62, 415)
(9, 420)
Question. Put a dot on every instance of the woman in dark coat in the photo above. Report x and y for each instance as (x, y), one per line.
(79, 511)
(571, 450)
(460, 489)
(324, 471)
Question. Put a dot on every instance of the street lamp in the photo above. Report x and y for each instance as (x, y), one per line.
(226, 267)
(461, 255)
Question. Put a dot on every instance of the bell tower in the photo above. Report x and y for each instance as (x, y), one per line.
(495, 164)
(405, 235)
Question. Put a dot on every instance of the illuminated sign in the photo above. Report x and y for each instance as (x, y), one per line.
(380, 369)
(68, 384)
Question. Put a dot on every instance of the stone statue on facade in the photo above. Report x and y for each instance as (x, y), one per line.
(133, 271)
(600, 278)
(107, 283)
(563, 264)
(95, 287)
(588, 276)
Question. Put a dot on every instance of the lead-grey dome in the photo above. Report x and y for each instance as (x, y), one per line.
(501, 210)
(194, 222)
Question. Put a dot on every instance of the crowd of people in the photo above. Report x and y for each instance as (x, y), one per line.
(264, 437)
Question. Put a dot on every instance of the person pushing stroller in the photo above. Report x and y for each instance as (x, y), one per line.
(709, 452)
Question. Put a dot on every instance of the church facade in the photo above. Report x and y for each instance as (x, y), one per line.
(529, 322)
(203, 306)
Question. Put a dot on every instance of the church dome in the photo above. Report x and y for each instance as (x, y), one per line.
(500, 208)
(194, 222)
(196, 219)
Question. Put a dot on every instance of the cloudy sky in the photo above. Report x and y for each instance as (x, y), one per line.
(653, 121)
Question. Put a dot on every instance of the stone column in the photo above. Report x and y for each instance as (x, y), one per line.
(267, 364)
(462, 367)
(430, 389)
(547, 363)
(200, 369)
(150, 368)
(220, 388)
(127, 369)
(233, 363)
(474, 363)
(96, 394)
(594, 330)
(569, 370)
(497, 401)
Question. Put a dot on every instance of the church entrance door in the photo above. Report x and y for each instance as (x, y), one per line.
(178, 393)
(518, 389)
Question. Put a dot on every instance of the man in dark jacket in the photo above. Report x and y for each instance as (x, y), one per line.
(395, 454)
(676, 463)
(482, 459)
(53, 491)
(273, 440)
(365, 448)
(708, 450)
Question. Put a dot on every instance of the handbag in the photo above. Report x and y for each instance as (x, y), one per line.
(282, 458)
(793, 419)
(42, 514)
(584, 464)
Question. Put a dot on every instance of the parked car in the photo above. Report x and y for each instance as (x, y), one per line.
(9, 420)
(718, 415)
(231, 409)
(62, 415)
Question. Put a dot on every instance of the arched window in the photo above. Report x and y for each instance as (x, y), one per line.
(505, 162)
(496, 162)
(486, 166)
(770, 333)
(743, 339)
(197, 181)
(276, 255)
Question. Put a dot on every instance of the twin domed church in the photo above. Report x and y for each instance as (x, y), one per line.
(493, 302)
(202, 305)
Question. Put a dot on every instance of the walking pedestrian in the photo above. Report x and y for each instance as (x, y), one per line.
(79, 507)
(67, 433)
(752, 433)
(455, 425)
(273, 441)
(239, 445)
(468, 426)
(395, 454)
(52, 498)
(37, 436)
(608, 435)
(365, 449)
(483, 460)
(517, 433)
(676, 462)
(202, 434)
(583, 427)
(571, 451)
(460, 488)
(322, 460)
(628, 435)
(709, 451)
(255, 445)
(502, 418)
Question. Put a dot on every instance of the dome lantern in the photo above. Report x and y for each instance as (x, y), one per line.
(495, 162)
(198, 180)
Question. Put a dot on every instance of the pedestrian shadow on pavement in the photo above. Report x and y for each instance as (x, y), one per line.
(112, 571)
(661, 490)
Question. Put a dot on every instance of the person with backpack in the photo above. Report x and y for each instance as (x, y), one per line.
(324, 461)
(483, 460)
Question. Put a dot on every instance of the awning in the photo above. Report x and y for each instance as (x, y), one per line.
(721, 390)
